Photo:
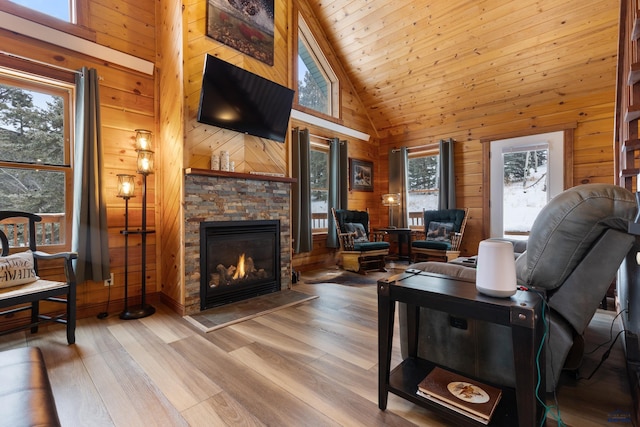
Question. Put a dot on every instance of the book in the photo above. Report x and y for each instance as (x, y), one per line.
(461, 394)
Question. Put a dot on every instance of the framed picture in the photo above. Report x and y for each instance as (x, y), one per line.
(245, 26)
(360, 175)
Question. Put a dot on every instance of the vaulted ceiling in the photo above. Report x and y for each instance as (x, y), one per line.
(432, 62)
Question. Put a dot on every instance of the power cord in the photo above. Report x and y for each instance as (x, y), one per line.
(105, 314)
(604, 357)
(552, 411)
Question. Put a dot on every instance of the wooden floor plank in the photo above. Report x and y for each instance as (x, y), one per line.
(264, 399)
(308, 365)
(182, 384)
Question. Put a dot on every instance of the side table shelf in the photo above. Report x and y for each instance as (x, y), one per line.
(404, 379)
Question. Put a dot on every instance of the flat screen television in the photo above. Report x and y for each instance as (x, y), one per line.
(236, 99)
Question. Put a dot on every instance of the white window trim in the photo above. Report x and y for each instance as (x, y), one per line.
(305, 33)
(556, 171)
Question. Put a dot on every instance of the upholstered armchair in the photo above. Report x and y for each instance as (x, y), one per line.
(443, 231)
(361, 249)
(574, 250)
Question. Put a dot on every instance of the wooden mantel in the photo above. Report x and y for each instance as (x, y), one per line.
(238, 175)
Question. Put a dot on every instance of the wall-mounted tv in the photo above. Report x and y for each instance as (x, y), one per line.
(236, 99)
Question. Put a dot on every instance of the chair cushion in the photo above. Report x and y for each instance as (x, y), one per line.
(432, 244)
(370, 246)
(17, 269)
(358, 229)
(345, 216)
(566, 229)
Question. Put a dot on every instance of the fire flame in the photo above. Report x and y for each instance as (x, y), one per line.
(240, 270)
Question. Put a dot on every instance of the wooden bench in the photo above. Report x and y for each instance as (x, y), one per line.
(28, 296)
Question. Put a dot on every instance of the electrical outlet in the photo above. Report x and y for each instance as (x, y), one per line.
(109, 281)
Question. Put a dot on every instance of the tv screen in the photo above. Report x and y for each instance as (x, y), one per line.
(233, 98)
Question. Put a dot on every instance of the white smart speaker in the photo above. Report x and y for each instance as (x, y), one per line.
(496, 275)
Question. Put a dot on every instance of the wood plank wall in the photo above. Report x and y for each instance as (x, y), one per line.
(128, 102)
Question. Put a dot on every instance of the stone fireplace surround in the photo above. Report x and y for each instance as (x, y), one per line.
(229, 196)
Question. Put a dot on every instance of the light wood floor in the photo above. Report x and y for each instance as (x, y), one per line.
(313, 364)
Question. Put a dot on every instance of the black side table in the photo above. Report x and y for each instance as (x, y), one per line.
(522, 313)
(404, 239)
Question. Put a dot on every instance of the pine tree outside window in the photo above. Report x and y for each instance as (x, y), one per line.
(423, 186)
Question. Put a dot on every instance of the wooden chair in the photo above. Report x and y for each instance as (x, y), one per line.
(20, 285)
(443, 231)
(360, 248)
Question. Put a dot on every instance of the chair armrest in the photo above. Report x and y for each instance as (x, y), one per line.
(418, 235)
(377, 236)
(59, 255)
(347, 240)
(456, 239)
(68, 258)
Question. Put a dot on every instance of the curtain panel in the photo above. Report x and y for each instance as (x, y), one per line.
(447, 191)
(338, 187)
(90, 236)
(301, 192)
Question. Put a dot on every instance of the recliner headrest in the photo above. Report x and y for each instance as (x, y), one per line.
(567, 227)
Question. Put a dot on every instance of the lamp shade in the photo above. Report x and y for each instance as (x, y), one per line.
(391, 199)
(126, 186)
(143, 139)
(145, 162)
(496, 268)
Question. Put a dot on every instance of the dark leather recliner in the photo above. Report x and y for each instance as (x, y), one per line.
(575, 248)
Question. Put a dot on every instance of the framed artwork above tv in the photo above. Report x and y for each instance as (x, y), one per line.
(360, 175)
(246, 26)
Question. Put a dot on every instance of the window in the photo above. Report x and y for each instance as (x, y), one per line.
(317, 83)
(319, 173)
(60, 9)
(423, 186)
(525, 174)
(35, 152)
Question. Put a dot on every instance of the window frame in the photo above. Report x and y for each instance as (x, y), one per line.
(417, 221)
(321, 147)
(556, 170)
(313, 47)
(66, 90)
(79, 28)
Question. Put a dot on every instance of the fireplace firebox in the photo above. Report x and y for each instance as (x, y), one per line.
(238, 260)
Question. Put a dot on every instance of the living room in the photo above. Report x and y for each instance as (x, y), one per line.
(471, 72)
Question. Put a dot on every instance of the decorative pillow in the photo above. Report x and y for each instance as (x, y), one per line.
(17, 269)
(356, 227)
(440, 231)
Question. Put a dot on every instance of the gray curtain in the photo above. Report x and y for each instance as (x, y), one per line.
(301, 192)
(90, 237)
(447, 191)
(398, 183)
(338, 186)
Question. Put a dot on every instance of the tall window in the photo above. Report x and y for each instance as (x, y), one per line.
(35, 151)
(317, 83)
(61, 9)
(525, 174)
(319, 173)
(423, 186)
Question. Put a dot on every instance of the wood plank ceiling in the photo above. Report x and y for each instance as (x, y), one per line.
(429, 63)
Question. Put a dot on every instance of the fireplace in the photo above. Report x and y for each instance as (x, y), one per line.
(238, 260)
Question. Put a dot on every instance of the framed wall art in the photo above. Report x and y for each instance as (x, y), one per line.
(244, 25)
(360, 175)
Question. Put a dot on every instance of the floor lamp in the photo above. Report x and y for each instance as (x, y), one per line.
(145, 168)
(391, 200)
(126, 187)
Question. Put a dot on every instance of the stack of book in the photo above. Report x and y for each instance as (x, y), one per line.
(463, 395)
